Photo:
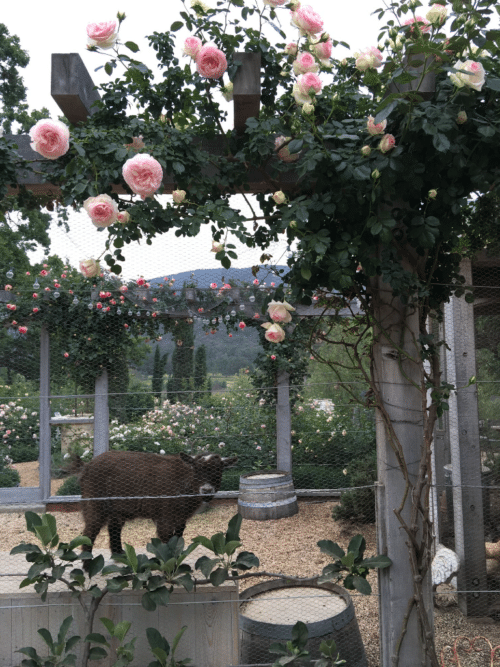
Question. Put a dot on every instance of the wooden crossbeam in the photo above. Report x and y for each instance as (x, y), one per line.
(74, 91)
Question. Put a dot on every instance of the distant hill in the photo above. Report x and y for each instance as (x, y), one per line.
(204, 277)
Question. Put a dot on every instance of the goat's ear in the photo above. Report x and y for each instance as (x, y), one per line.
(186, 458)
(229, 461)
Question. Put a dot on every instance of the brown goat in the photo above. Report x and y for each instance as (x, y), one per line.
(121, 486)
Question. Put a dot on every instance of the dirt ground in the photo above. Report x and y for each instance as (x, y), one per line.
(285, 546)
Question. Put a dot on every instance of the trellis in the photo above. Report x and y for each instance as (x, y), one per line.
(73, 90)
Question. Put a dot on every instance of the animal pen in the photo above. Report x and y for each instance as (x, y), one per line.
(61, 407)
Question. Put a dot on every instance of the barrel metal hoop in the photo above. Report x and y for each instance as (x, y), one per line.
(274, 503)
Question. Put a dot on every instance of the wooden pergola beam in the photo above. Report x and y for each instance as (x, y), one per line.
(75, 93)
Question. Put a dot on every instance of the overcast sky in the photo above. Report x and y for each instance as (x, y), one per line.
(59, 27)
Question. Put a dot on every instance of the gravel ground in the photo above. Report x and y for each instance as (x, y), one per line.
(284, 546)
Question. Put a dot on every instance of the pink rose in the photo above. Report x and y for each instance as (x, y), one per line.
(291, 49)
(242, 325)
(322, 50)
(35, 310)
(35, 295)
(44, 273)
(11, 306)
(366, 150)
(305, 62)
(368, 59)
(192, 45)
(307, 20)
(280, 198)
(217, 247)
(274, 333)
(309, 83)
(22, 330)
(461, 117)
(123, 217)
(89, 268)
(50, 138)
(66, 355)
(275, 3)
(179, 196)
(143, 174)
(211, 62)
(273, 357)
(123, 288)
(279, 311)
(283, 153)
(103, 210)
(375, 129)
(420, 23)
(387, 143)
(256, 281)
(102, 34)
(475, 77)
(8, 288)
(437, 14)
(213, 285)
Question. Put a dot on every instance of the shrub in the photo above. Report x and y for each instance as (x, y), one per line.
(19, 425)
(71, 487)
(358, 504)
(9, 477)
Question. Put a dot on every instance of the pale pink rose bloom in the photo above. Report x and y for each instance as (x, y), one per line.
(103, 35)
(123, 217)
(191, 46)
(179, 196)
(211, 62)
(89, 268)
(50, 138)
(275, 3)
(437, 14)
(461, 117)
(291, 49)
(307, 20)
(309, 83)
(217, 247)
(322, 50)
(22, 330)
(143, 174)
(305, 62)
(368, 59)
(279, 311)
(422, 24)
(366, 150)
(274, 333)
(387, 143)
(300, 97)
(227, 91)
(284, 154)
(103, 210)
(475, 77)
(280, 198)
(375, 128)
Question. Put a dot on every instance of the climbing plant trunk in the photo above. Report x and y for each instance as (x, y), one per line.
(283, 423)
(397, 382)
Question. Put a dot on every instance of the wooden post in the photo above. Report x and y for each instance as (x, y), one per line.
(101, 414)
(44, 434)
(246, 91)
(403, 403)
(465, 453)
(283, 424)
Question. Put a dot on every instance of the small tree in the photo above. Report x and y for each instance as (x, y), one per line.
(160, 361)
(180, 384)
(200, 368)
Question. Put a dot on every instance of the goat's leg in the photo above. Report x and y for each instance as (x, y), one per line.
(115, 525)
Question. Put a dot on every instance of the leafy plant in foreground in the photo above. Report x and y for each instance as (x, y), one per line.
(294, 651)
(351, 562)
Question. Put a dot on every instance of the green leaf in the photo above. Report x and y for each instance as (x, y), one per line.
(246, 560)
(63, 630)
(121, 630)
(132, 46)
(487, 130)
(219, 576)
(361, 585)
(47, 638)
(79, 541)
(204, 541)
(219, 542)
(233, 528)
(97, 653)
(493, 84)
(177, 638)
(25, 548)
(156, 640)
(300, 634)
(231, 547)
(30, 651)
(96, 638)
(96, 565)
(177, 25)
(305, 272)
(131, 556)
(357, 545)
(379, 561)
(108, 68)
(108, 624)
(441, 142)
(295, 146)
(331, 548)
(385, 110)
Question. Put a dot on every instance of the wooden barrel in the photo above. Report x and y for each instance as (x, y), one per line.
(267, 495)
(270, 610)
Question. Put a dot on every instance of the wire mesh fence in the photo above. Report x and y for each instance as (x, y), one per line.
(186, 426)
